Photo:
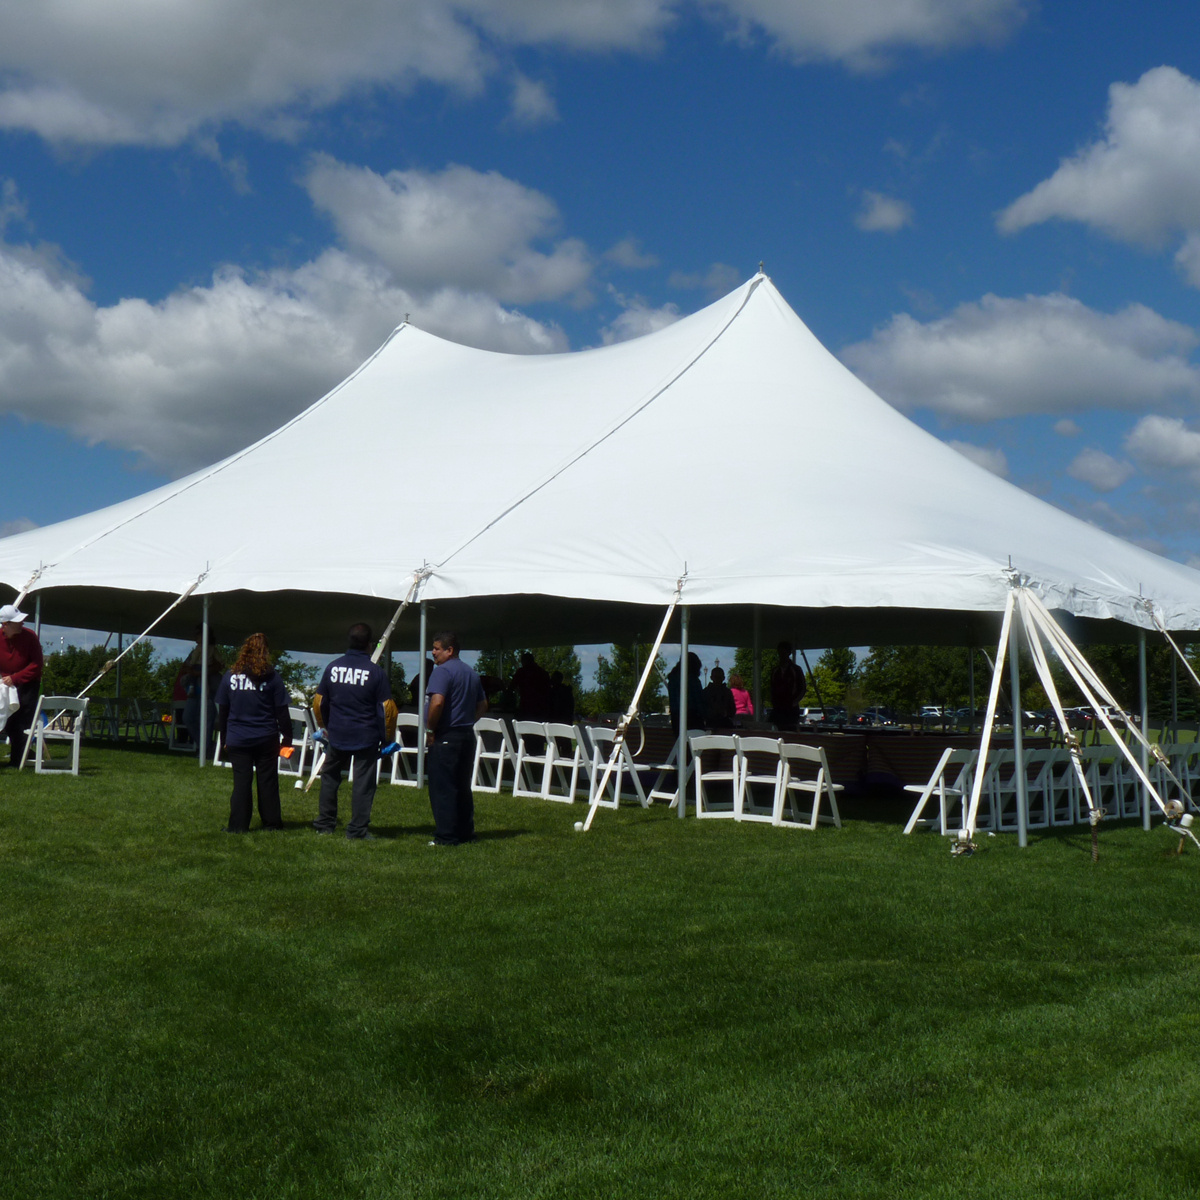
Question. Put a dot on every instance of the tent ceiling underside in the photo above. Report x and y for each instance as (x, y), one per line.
(317, 623)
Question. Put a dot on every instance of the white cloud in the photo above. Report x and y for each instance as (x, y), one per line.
(209, 369)
(637, 318)
(883, 214)
(719, 279)
(628, 253)
(16, 525)
(1040, 354)
(864, 33)
(1140, 182)
(1101, 470)
(1067, 428)
(455, 228)
(128, 72)
(532, 103)
(1164, 443)
(988, 457)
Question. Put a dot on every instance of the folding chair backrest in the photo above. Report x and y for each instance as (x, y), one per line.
(56, 719)
(493, 748)
(718, 769)
(759, 763)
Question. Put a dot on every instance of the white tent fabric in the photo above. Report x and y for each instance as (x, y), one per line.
(731, 446)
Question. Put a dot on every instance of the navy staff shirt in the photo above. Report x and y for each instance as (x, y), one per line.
(254, 702)
(353, 691)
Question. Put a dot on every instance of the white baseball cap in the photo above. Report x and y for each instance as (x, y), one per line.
(10, 612)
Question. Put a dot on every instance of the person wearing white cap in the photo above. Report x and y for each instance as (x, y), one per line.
(20, 667)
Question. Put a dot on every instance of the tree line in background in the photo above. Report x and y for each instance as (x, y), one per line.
(900, 678)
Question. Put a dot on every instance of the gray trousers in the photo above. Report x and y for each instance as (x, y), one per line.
(362, 791)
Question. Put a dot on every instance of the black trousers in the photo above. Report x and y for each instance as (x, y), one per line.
(261, 760)
(450, 761)
(362, 792)
(17, 726)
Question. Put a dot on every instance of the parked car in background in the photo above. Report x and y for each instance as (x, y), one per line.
(874, 716)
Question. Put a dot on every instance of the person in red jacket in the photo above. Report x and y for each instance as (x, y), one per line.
(20, 667)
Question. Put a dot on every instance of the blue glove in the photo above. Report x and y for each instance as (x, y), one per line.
(390, 748)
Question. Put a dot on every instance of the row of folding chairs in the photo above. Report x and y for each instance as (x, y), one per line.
(556, 761)
(1054, 796)
(128, 719)
(763, 779)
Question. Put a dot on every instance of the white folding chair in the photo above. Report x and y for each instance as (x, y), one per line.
(55, 719)
(564, 761)
(804, 771)
(303, 728)
(493, 749)
(1103, 768)
(533, 754)
(951, 782)
(716, 745)
(671, 767)
(1061, 786)
(601, 739)
(404, 760)
(764, 770)
(1039, 792)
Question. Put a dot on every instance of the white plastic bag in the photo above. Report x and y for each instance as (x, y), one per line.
(8, 703)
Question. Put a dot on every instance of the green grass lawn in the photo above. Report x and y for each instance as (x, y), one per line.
(655, 1009)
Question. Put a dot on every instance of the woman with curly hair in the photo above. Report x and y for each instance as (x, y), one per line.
(253, 719)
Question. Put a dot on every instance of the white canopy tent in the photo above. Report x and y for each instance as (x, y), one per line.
(562, 497)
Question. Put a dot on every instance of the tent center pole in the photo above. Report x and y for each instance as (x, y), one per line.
(421, 698)
(37, 617)
(684, 678)
(1145, 724)
(203, 747)
(757, 685)
(1014, 674)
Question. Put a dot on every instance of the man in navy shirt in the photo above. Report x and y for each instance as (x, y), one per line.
(455, 702)
(352, 693)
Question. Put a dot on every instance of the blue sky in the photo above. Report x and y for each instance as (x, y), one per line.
(990, 209)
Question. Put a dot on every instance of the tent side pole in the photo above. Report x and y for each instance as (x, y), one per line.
(203, 686)
(37, 616)
(1145, 724)
(1014, 669)
(758, 708)
(120, 645)
(971, 681)
(682, 747)
(1174, 699)
(421, 697)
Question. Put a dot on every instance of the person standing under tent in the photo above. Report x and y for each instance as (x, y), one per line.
(788, 686)
(719, 708)
(350, 706)
(21, 664)
(562, 700)
(533, 689)
(695, 694)
(254, 723)
(455, 701)
(743, 702)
